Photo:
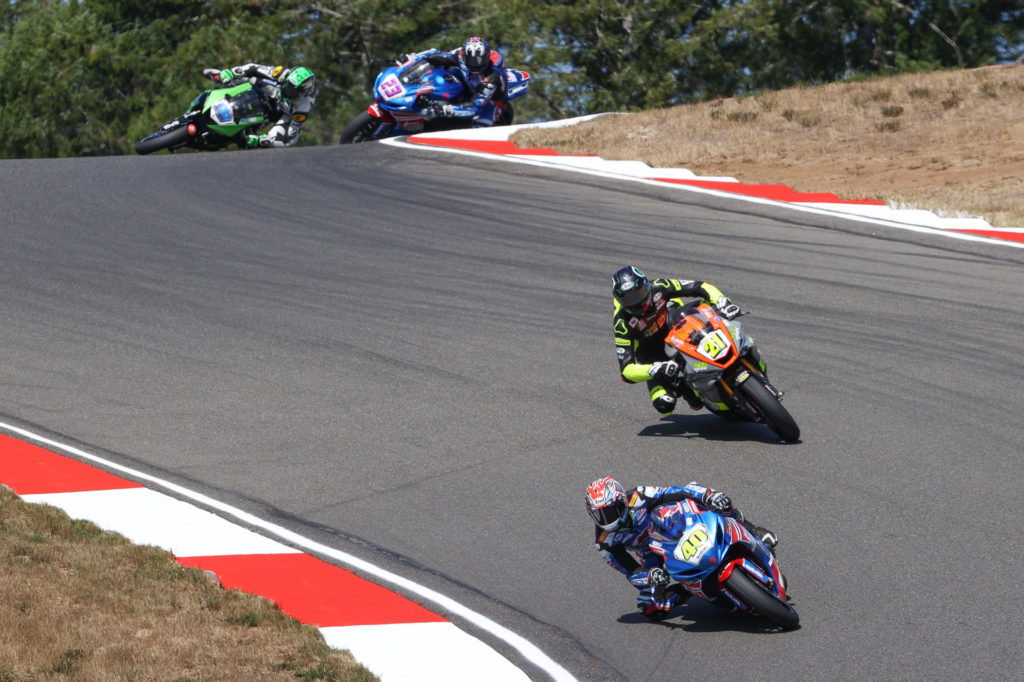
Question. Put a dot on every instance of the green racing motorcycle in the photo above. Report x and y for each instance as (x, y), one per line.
(215, 119)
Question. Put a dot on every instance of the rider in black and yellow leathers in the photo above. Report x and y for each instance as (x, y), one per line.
(639, 323)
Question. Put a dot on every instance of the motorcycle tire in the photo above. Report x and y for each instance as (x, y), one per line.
(762, 601)
(508, 114)
(774, 415)
(361, 129)
(172, 139)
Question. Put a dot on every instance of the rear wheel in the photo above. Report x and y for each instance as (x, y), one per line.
(361, 129)
(762, 601)
(507, 115)
(171, 139)
(771, 410)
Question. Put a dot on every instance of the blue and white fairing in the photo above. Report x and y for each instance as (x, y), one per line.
(696, 544)
(398, 88)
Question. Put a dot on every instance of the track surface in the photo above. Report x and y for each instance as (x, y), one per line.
(346, 342)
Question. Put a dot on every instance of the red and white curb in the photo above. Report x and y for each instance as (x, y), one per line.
(396, 638)
(494, 142)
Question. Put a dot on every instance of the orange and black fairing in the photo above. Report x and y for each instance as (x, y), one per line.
(705, 336)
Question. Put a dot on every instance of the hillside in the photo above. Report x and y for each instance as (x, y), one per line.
(947, 141)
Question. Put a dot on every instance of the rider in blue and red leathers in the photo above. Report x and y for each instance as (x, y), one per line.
(623, 529)
(479, 69)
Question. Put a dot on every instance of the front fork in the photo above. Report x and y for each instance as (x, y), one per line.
(754, 368)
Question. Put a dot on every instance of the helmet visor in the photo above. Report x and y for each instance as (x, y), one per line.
(635, 300)
(608, 516)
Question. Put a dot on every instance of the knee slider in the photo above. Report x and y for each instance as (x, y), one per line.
(665, 403)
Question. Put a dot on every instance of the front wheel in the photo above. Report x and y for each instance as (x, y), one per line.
(171, 139)
(771, 410)
(762, 601)
(361, 129)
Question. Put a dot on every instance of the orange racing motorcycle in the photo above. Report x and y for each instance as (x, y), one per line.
(723, 367)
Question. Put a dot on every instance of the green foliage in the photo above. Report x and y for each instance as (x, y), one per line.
(92, 77)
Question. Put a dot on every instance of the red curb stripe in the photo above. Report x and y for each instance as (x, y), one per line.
(30, 470)
(774, 192)
(486, 146)
(312, 591)
(996, 234)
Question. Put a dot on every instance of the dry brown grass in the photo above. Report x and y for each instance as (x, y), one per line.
(78, 603)
(948, 141)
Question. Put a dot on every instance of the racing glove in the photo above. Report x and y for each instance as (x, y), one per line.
(212, 73)
(666, 369)
(716, 501)
(727, 308)
(439, 59)
(655, 606)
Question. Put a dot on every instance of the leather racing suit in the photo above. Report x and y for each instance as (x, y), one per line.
(290, 114)
(640, 341)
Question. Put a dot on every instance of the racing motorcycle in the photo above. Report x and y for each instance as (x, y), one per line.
(215, 119)
(721, 364)
(407, 99)
(714, 556)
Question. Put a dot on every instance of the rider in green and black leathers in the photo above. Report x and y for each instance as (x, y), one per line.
(290, 94)
(641, 312)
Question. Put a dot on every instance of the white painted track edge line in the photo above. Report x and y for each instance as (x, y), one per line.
(529, 650)
(949, 233)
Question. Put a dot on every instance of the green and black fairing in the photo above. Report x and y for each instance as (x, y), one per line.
(217, 118)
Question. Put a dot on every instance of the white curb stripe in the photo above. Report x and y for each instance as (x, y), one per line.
(147, 517)
(429, 652)
(526, 648)
(913, 220)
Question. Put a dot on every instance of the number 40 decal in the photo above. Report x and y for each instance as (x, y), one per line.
(693, 545)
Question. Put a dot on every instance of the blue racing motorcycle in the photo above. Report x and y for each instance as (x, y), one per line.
(408, 97)
(714, 557)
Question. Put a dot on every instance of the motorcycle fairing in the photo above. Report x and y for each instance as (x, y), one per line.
(231, 110)
(399, 88)
(704, 336)
(700, 549)
(518, 82)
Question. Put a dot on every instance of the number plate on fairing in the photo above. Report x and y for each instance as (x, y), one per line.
(391, 87)
(694, 544)
(714, 345)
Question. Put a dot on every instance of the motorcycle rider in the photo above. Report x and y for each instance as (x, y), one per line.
(623, 530)
(639, 323)
(479, 69)
(289, 92)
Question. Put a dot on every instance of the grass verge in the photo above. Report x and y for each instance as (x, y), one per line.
(80, 603)
(947, 141)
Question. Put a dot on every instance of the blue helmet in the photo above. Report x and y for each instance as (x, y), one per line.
(476, 53)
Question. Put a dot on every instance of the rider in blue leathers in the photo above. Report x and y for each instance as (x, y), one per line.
(623, 530)
(479, 69)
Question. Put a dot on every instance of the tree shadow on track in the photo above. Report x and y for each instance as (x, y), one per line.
(709, 427)
(697, 615)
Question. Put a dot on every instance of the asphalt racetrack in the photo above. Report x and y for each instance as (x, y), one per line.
(407, 355)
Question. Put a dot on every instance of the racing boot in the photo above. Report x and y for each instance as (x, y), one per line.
(665, 403)
(770, 539)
